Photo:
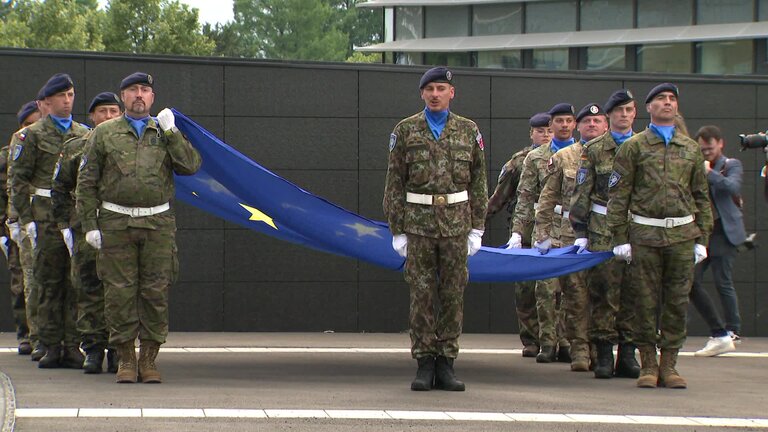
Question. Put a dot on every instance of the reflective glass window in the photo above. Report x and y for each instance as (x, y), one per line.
(606, 14)
(606, 58)
(725, 57)
(499, 59)
(664, 13)
(673, 57)
(446, 21)
(550, 16)
(409, 23)
(724, 11)
(408, 58)
(447, 59)
(550, 59)
(497, 19)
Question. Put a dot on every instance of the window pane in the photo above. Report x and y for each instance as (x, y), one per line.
(447, 21)
(606, 58)
(506, 18)
(499, 59)
(725, 57)
(664, 58)
(550, 59)
(724, 11)
(409, 23)
(762, 10)
(447, 59)
(664, 13)
(408, 58)
(606, 14)
(550, 16)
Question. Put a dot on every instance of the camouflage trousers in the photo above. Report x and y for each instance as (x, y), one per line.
(436, 271)
(31, 290)
(525, 305)
(137, 267)
(610, 293)
(16, 284)
(549, 310)
(661, 277)
(57, 310)
(90, 296)
(575, 307)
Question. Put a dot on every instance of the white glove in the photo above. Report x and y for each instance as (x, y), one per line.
(474, 241)
(66, 233)
(15, 232)
(31, 230)
(582, 243)
(400, 244)
(4, 245)
(699, 253)
(515, 241)
(94, 238)
(543, 246)
(623, 252)
(166, 119)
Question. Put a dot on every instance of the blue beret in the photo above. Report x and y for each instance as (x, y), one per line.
(40, 95)
(590, 109)
(436, 74)
(561, 108)
(619, 97)
(57, 84)
(540, 120)
(104, 98)
(662, 88)
(137, 78)
(26, 110)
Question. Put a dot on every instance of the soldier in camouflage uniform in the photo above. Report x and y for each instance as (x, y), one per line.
(435, 201)
(532, 180)
(505, 196)
(558, 188)
(90, 291)
(659, 176)
(124, 186)
(33, 160)
(609, 295)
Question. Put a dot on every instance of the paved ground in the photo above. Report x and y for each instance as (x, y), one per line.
(289, 381)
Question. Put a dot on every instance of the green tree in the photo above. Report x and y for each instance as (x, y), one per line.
(52, 24)
(364, 26)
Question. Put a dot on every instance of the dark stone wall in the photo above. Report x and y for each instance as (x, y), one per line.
(325, 127)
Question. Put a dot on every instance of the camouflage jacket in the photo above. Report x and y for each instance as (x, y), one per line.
(558, 189)
(33, 159)
(420, 164)
(595, 168)
(532, 179)
(4, 184)
(658, 181)
(65, 181)
(121, 168)
(505, 194)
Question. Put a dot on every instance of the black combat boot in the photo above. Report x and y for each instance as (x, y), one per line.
(52, 357)
(530, 350)
(604, 366)
(94, 358)
(445, 377)
(546, 355)
(425, 376)
(626, 363)
(38, 352)
(25, 348)
(112, 360)
(72, 357)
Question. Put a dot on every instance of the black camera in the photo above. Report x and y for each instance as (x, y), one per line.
(753, 141)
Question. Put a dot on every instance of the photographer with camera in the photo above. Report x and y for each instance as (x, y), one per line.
(724, 178)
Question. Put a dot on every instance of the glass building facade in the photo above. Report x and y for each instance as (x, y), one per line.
(556, 34)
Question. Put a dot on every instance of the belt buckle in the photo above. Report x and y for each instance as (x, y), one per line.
(669, 222)
(440, 199)
(135, 212)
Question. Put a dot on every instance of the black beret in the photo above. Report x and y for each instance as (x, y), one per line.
(40, 95)
(540, 120)
(137, 78)
(662, 88)
(56, 84)
(436, 74)
(619, 97)
(590, 109)
(561, 108)
(104, 98)
(26, 110)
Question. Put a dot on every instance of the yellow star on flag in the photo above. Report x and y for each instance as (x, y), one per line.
(258, 216)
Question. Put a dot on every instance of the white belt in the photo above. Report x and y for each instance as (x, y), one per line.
(437, 199)
(42, 192)
(669, 222)
(597, 208)
(135, 211)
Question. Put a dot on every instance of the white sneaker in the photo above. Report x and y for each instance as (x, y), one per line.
(715, 346)
(734, 337)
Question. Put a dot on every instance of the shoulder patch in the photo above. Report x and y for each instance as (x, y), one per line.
(17, 151)
(22, 135)
(613, 180)
(581, 176)
(480, 142)
(392, 141)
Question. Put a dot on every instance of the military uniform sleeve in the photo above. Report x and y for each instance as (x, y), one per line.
(62, 186)
(550, 196)
(394, 187)
(88, 176)
(620, 187)
(22, 167)
(185, 159)
(478, 187)
(581, 203)
(503, 192)
(4, 184)
(522, 220)
(700, 193)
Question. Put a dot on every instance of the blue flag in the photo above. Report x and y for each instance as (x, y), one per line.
(237, 189)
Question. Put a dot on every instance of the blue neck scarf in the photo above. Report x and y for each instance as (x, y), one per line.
(62, 123)
(559, 145)
(663, 132)
(138, 125)
(620, 138)
(436, 121)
